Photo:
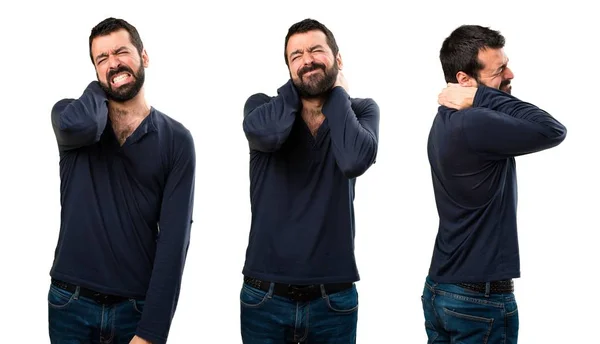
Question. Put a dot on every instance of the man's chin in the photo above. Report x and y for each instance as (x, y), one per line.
(506, 89)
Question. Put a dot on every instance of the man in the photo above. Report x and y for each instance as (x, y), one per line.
(127, 187)
(479, 130)
(307, 147)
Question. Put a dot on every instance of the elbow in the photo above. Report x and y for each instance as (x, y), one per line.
(262, 142)
(356, 168)
(557, 137)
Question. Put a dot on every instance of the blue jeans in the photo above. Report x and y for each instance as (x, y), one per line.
(457, 315)
(272, 319)
(73, 319)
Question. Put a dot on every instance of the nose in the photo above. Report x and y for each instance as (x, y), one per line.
(113, 62)
(307, 59)
(508, 74)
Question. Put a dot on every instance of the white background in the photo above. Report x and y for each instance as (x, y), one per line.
(205, 62)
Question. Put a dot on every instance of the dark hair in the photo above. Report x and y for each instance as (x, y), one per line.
(460, 50)
(310, 25)
(110, 25)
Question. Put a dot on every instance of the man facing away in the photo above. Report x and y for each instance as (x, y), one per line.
(308, 145)
(479, 130)
(127, 187)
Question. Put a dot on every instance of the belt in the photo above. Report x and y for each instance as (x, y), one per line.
(496, 287)
(301, 293)
(100, 298)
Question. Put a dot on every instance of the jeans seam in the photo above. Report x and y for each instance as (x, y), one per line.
(469, 299)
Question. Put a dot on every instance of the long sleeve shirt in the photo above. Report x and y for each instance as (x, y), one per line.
(472, 156)
(302, 186)
(126, 211)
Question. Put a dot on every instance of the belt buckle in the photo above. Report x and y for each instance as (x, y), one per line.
(300, 293)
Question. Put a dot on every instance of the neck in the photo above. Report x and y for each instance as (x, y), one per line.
(312, 106)
(130, 110)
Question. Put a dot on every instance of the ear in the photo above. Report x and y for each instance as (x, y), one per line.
(465, 80)
(145, 58)
(338, 59)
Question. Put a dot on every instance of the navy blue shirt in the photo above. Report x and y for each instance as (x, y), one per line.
(472, 156)
(302, 187)
(126, 210)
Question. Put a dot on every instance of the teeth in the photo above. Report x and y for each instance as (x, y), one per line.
(119, 78)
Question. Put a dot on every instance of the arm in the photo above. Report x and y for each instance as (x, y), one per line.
(80, 122)
(268, 121)
(354, 136)
(500, 125)
(172, 245)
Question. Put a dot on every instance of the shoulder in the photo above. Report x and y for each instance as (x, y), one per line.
(172, 131)
(255, 101)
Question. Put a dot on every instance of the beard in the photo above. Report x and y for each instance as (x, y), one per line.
(317, 84)
(505, 86)
(125, 92)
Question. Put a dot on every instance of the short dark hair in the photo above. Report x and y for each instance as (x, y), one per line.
(310, 25)
(460, 50)
(110, 25)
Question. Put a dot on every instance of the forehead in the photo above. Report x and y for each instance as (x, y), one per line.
(492, 58)
(306, 40)
(112, 41)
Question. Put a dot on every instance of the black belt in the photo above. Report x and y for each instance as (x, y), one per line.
(496, 287)
(301, 293)
(100, 298)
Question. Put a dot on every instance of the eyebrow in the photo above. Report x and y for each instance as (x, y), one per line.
(116, 51)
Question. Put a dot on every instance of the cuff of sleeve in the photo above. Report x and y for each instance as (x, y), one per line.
(337, 97)
(482, 96)
(149, 336)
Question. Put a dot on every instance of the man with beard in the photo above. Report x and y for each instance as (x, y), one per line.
(479, 130)
(308, 145)
(127, 188)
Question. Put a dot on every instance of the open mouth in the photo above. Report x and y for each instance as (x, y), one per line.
(121, 79)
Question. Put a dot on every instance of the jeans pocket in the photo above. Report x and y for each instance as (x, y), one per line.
(474, 327)
(138, 305)
(252, 297)
(59, 298)
(345, 301)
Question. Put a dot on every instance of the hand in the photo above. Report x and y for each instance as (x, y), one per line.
(457, 97)
(138, 340)
(341, 81)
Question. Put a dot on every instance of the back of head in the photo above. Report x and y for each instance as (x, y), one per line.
(459, 50)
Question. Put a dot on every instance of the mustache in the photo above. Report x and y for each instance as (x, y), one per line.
(505, 83)
(119, 69)
(310, 68)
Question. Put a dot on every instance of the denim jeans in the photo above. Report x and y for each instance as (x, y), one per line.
(457, 315)
(272, 319)
(73, 319)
